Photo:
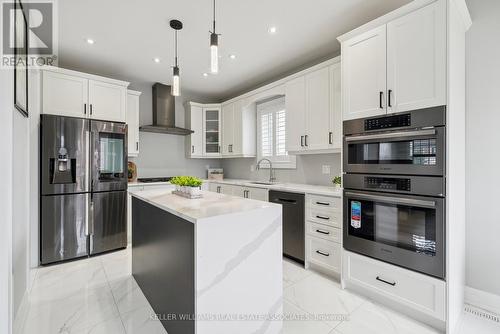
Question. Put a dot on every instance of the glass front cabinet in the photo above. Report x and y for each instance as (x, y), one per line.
(212, 131)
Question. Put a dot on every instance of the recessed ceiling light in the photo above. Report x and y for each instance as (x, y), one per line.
(232, 56)
(272, 30)
(205, 75)
(156, 60)
(90, 41)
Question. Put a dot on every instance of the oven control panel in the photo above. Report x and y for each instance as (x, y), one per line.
(381, 123)
(388, 183)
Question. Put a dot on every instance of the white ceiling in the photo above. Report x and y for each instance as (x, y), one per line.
(128, 34)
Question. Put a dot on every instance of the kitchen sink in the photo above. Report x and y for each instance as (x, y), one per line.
(263, 183)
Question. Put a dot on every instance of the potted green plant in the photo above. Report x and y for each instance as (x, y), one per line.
(188, 186)
(337, 181)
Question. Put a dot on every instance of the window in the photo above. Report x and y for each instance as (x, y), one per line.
(271, 133)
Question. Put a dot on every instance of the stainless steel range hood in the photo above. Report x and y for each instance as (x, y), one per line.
(164, 113)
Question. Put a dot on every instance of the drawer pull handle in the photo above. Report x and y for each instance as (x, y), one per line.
(323, 232)
(322, 253)
(323, 217)
(386, 282)
(323, 203)
(286, 200)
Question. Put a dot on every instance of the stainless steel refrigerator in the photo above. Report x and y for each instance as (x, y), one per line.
(83, 197)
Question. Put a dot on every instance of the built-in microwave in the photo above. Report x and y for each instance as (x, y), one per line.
(396, 219)
(410, 143)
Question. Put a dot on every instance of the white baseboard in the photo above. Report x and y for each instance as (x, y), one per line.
(482, 299)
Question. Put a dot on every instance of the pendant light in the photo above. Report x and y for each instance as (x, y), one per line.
(214, 52)
(176, 80)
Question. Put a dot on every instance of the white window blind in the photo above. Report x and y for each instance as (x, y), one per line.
(272, 133)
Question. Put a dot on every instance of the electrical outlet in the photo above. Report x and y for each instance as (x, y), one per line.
(326, 169)
(252, 168)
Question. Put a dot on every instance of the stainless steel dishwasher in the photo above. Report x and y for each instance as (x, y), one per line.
(293, 223)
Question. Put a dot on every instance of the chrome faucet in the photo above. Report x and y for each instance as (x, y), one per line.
(272, 178)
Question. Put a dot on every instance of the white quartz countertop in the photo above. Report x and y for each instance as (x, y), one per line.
(211, 205)
(140, 184)
(291, 187)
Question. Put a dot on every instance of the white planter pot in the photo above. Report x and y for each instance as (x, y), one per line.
(194, 191)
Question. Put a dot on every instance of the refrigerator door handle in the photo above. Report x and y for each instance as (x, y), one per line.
(87, 214)
(91, 217)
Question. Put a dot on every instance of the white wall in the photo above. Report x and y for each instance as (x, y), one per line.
(483, 146)
(6, 121)
(20, 209)
(14, 204)
(309, 169)
(162, 154)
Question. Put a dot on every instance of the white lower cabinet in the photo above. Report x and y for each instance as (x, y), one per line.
(220, 188)
(324, 233)
(260, 194)
(323, 253)
(408, 288)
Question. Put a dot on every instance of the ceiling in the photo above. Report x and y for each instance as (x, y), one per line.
(129, 34)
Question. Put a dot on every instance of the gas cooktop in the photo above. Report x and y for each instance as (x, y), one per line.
(154, 179)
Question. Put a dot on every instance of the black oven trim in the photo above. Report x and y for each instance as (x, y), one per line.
(400, 169)
(434, 186)
(415, 119)
(433, 266)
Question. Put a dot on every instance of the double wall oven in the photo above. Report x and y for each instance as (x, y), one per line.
(394, 189)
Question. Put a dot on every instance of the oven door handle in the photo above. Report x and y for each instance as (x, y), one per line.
(395, 200)
(392, 135)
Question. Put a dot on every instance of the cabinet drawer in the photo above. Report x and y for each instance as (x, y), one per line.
(324, 202)
(324, 232)
(322, 216)
(418, 291)
(323, 253)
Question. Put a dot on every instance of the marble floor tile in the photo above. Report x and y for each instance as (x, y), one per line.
(293, 272)
(298, 321)
(98, 295)
(128, 295)
(140, 321)
(117, 264)
(110, 326)
(319, 295)
(78, 312)
(371, 318)
(57, 281)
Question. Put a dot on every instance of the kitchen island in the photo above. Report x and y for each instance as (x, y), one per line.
(211, 265)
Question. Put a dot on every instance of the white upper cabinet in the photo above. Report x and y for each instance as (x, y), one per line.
(317, 109)
(243, 130)
(133, 122)
(64, 95)
(107, 101)
(397, 67)
(238, 130)
(335, 133)
(364, 74)
(76, 94)
(295, 103)
(194, 122)
(227, 129)
(314, 120)
(211, 130)
(416, 59)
